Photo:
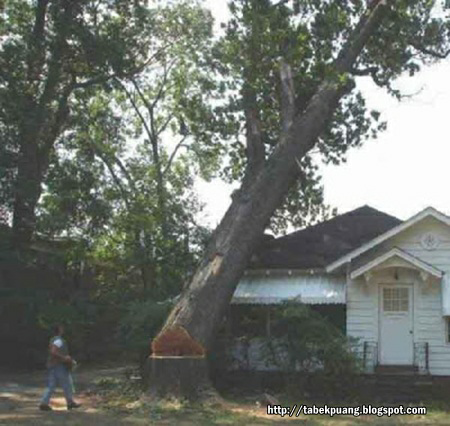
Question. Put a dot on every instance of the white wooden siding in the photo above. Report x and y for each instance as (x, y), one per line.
(428, 321)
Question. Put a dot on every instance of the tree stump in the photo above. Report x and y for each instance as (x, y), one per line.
(178, 367)
(184, 377)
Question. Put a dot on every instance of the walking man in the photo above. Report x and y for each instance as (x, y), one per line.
(59, 365)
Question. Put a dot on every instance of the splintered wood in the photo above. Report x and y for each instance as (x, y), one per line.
(176, 341)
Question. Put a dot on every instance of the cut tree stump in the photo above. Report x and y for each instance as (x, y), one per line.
(176, 341)
(183, 377)
(178, 368)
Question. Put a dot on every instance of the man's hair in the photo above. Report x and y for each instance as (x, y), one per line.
(56, 328)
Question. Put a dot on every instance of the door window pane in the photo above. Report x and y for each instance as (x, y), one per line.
(395, 299)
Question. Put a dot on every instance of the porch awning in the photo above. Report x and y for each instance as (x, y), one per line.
(397, 258)
(309, 289)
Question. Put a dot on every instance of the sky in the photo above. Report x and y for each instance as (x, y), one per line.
(403, 171)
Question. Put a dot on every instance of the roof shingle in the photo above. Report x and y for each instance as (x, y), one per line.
(317, 246)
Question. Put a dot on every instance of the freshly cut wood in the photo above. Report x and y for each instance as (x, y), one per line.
(184, 377)
(176, 341)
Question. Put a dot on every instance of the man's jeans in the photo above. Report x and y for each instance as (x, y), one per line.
(58, 374)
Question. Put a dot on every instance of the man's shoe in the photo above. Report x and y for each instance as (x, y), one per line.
(73, 404)
(45, 407)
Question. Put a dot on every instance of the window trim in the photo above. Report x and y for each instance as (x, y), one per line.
(447, 330)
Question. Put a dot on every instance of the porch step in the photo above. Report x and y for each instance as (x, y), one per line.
(396, 370)
(398, 384)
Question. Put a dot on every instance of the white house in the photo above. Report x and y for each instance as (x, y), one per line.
(390, 277)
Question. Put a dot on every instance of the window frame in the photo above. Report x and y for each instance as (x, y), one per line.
(398, 300)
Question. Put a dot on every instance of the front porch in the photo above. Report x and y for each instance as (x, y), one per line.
(392, 299)
(420, 365)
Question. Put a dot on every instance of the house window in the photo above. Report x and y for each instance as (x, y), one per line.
(395, 299)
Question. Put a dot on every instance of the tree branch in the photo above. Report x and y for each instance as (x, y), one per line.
(255, 146)
(152, 105)
(112, 172)
(287, 96)
(179, 145)
(364, 71)
(56, 61)
(430, 52)
(362, 32)
(100, 79)
(372, 72)
(160, 92)
(36, 54)
(164, 125)
(137, 110)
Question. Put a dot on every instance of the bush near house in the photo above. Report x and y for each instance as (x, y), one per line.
(303, 340)
(304, 350)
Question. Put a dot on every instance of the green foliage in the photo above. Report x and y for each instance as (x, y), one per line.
(120, 181)
(308, 36)
(141, 322)
(51, 54)
(101, 187)
(303, 340)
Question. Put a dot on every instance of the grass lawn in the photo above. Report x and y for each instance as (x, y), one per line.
(110, 399)
(233, 413)
(246, 410)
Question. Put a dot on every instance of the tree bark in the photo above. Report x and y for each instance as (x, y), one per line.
(41, 123)
(203, 303)
(182, 377)
(27, 193)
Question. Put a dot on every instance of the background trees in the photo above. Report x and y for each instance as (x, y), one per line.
(114, 184)
(54, 53)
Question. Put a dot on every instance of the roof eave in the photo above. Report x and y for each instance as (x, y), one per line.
(429, 211)
(396, 252)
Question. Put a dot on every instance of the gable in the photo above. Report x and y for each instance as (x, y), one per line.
(423, 229)
(428, 240)
(396, 258)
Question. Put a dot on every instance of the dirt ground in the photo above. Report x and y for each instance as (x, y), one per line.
(20, 394)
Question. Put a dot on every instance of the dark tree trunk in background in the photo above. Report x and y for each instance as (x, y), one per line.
(202, 305)
(44, 118)
(27, 193)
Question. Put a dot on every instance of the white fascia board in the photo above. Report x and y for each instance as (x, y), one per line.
(428, 212)
(420, 264)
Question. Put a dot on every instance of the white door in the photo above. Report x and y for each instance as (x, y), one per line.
(396, 325)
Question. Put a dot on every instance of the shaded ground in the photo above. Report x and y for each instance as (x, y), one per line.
(20, 394)
(109, 399)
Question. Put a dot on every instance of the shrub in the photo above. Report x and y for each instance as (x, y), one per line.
(140, 324)
(302, 339)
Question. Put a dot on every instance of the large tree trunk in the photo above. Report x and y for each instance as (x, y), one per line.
(42, 122)
(27, 193)
(203, 303)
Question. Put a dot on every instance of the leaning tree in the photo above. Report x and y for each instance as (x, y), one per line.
(330, 42)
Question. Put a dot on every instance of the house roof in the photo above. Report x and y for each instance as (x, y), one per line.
(428, 212)
(397, 253)
(317, 246)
